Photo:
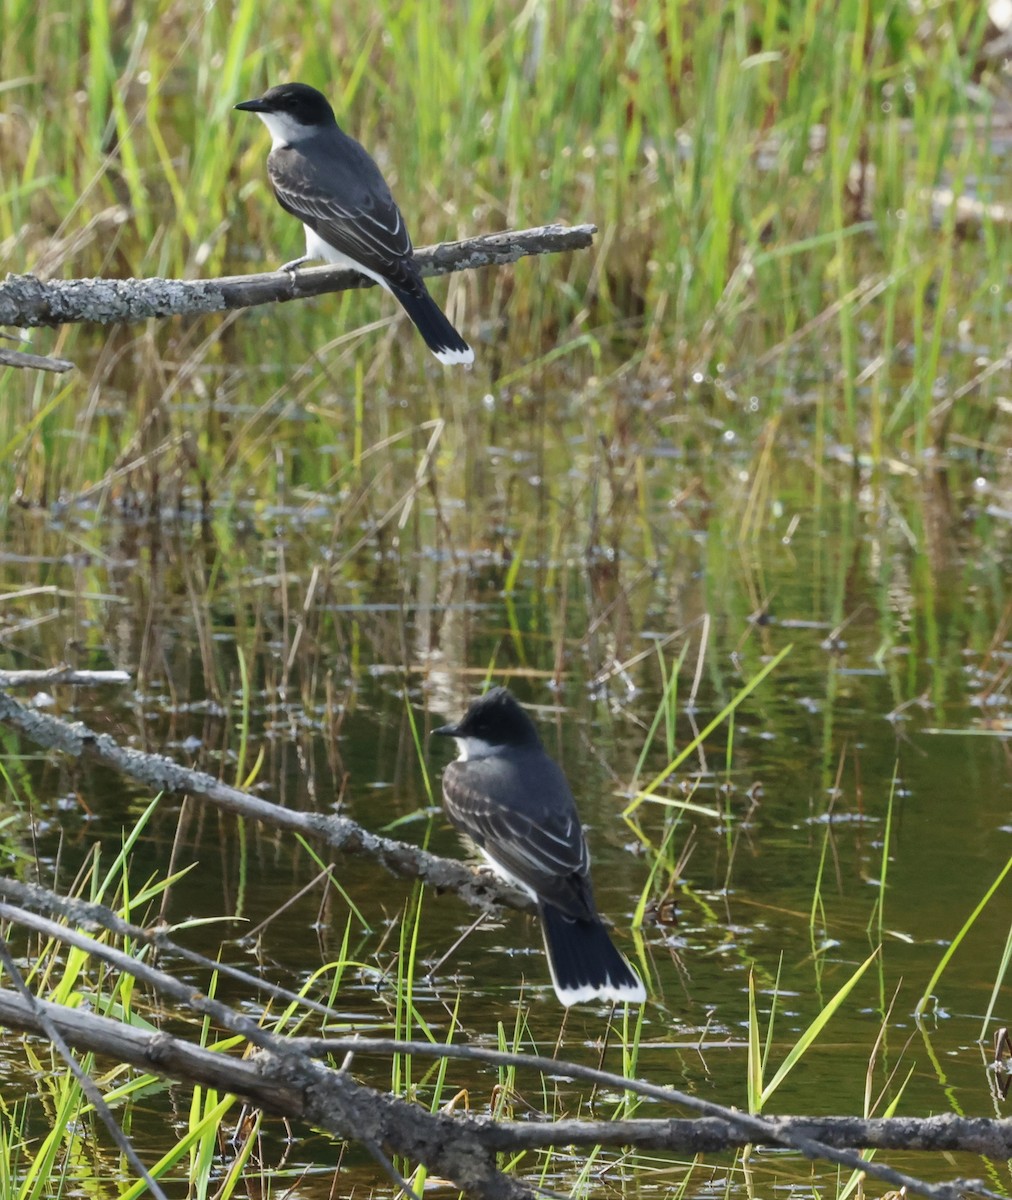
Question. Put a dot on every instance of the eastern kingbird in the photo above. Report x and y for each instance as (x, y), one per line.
(514, 803)
(327, 180)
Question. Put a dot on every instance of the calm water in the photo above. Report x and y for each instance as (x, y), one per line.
(580, 568)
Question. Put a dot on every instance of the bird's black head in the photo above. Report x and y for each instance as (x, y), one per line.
(495, 719)
(298, 102)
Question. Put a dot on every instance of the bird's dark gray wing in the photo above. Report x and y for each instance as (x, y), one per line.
(345, 200)
(526, 821)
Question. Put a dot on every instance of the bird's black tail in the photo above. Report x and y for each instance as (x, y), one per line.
(430, 321)
(584, 962)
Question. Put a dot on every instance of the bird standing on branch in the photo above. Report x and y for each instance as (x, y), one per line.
(329, 181)
(513, 802)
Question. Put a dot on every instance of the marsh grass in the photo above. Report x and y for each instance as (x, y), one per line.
(929, 996)
(649, 791)
(36, 1165)
(396, 963)
(761, 1083)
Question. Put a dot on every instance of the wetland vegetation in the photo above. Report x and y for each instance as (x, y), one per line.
(726, 499)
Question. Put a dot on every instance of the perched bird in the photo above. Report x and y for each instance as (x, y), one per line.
(327, 180)
(513, 802)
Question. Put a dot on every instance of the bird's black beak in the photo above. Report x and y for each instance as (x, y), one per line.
(445, 731)
(257, 106)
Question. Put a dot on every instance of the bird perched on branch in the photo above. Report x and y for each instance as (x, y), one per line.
(513, 802)
(329, 181)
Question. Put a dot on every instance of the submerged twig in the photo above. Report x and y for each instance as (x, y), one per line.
(26, 301)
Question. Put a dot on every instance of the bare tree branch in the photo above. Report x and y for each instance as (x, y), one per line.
(26, 301)
(482, 890)
(61, 675)
(88, 915)
(729, 1127)
(815, 1138)
(33, 362)
(718, 1128)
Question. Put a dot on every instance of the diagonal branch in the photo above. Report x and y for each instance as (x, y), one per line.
(26, 301)
(483, 890)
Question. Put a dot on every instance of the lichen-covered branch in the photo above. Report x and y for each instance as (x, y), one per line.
(481, 890)
(26, 301)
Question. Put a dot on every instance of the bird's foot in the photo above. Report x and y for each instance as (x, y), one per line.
(294, 265)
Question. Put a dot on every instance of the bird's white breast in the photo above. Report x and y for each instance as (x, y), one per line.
(470, 748)
(284, 130)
